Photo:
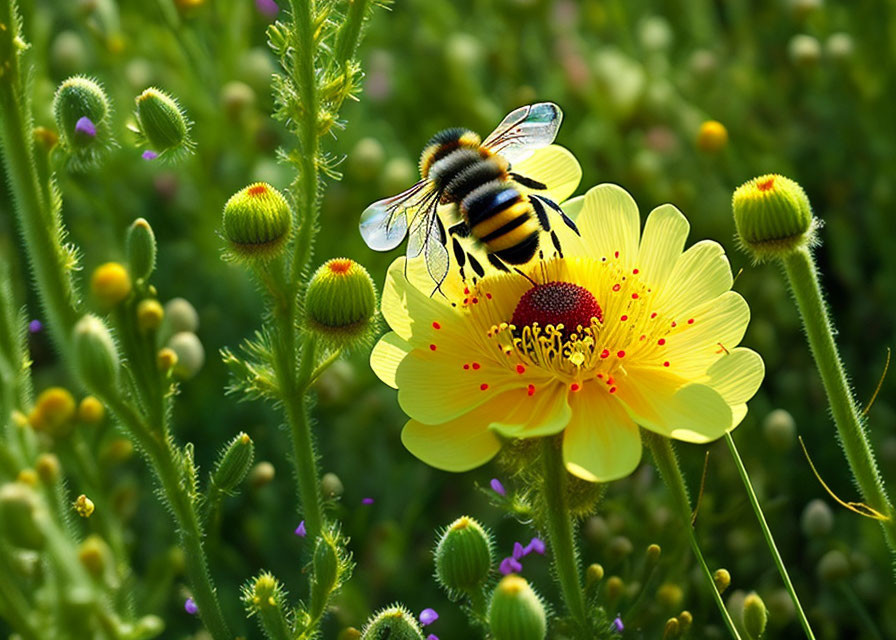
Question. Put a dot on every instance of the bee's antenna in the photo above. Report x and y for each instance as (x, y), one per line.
(534, 284)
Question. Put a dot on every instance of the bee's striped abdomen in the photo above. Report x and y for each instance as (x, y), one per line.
(503, 220)
(471, 177)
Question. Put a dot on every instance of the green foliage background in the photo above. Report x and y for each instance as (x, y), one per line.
(635, 80)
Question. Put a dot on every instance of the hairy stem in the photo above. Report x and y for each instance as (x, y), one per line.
(560, 531)
(667, 463)
(767, 534)
(803, 277)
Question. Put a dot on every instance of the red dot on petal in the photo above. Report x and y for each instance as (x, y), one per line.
(616, 254)
(674, 324)
(634, 296)
(691, 321)
(432, 347)
(653, 315)
(436, 325)
(605, 353)
(620, 354)
(661, 341)
(483, 386)
(475, 300)
(531, 390)
(467, 367)
(623, 318)
(617, 287)
(612, 389)
(488, 295)
(476, 365)
(666, 363)
(520, 369)
(635, 271)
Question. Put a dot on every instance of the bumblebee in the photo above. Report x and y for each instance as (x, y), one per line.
(498, 208)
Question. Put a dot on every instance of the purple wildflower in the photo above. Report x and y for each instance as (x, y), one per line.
(300, 530)
(267, 8)
(617, 625)
(85, 125)
(190, 607)
(428, 616)
(432, 636)
(510, 565)
(497, 487)
(35, 326)
(367, 501)
(536, 545)
(518, 551)
(149, 155)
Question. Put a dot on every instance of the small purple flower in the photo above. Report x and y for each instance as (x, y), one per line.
(497, 487)
(428, 616)
(367, 501)
(617, 625)
(432, 636)
(267, 8)
(85, 125)
(518, 551)
(300, 530)
(510, 565)
(536, 545)
(149, 155)
(35, 326)
(190, 607)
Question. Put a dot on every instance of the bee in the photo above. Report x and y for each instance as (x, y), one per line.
(497, 207)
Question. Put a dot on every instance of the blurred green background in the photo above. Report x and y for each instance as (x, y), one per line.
(803, 89)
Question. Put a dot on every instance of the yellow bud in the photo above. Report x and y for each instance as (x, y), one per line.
(117, 450)
(594, 574)
(149, 315)
(48, 468)
(110, 284)
(722, 579)
(754, 616)
(712, 136)
(615, 587)
(669, 595)
(672, 629)
(84, 506)
(27, 477)
(166, 359)
(53, 412)
(91, 410)
(93, 555)
(261, 474)
(685, 620)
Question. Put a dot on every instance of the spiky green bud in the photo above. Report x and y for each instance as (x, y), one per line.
(95, 355)
(264, 597)
(394, 623)
(463, 556)
(19, 507)
(81, 109)
(325, 562)
(234, 464)
(141, 249)
(516, 612)
(257, 222)
(773, 217)
(340, 302)
(162, 122)
(755, 616)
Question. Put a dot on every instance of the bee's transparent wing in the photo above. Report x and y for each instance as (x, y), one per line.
(418, 233)
(435, 252)
(525, 130)
(384, 224)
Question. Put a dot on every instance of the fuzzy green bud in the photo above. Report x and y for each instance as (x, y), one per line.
(257, 222)
(394, 623)
(95, 355)
(325, 562)
(817, 520)
(264, 597)
(162, 122)
(331, 485)
(340, 303)
(141, 249)
(722, 579)
(234, 464)
(755, 616)
(190, 354)
(76, 99)
(516, 612)
(181, 315)
(773, 217)
(463, 556)
(18, 510)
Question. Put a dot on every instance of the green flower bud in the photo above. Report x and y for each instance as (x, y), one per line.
(81, 109)
(149, 315)
(95, 355)
(833, 566)
(463, 556)
(594, 574)
(234, 464)
(94, 555)
(340, 303)
(685, 620)
(265, 598)
(817, 520)
(141, 249)
(325, 562)
(672, 629)
(394, 623)
(19, 508)
(669, 595)
(162, 123)
(331, 485)
(190, 354)
(755, 616)
(772, 216)
(722, 579)
(67, 53)
(653, 554)
(262, 474)
(181, 316)
(257, 222)
(516, 612)
(779, 429)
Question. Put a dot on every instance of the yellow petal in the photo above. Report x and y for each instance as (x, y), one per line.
(737, 375)
(573, 207)
(555, 167)
(387, 354)
(601, 443)
(656, 400)
(457, 445)
(523, 416)
(701, 273)
(664, 236)
(409, 311)
(609, 223)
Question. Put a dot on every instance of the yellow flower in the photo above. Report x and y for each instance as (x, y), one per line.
(654, 344)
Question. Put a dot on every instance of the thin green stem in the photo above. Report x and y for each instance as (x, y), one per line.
(13, 604)
(769, 540)
(558, 523)
(803, 276)
(667, 463)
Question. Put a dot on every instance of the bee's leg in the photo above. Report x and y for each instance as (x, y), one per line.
(474, 263)
(461, 230)
(496, 262)
(540, 212)
(556, 241)
(529, 183)
(566, 219)
(459, 255)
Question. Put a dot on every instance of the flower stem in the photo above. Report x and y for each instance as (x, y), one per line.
(803, 276)
(560, 531)
(667, 463)
(769, 540)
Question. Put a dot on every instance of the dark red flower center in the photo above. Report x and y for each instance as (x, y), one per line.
(557, 303)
